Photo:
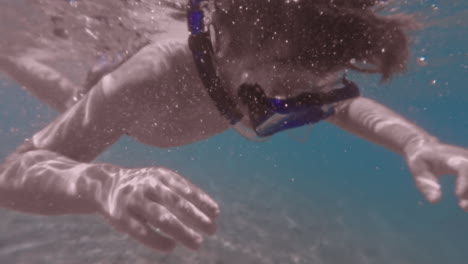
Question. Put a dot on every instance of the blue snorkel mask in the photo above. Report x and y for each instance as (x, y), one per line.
(267, 115)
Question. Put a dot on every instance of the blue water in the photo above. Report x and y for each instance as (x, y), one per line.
(332, 199)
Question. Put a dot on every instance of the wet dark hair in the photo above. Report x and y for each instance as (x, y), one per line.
(326, 35)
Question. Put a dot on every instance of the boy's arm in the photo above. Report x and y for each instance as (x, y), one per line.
(427, 158)
(376, 123)
(40, 80)
(45, 174)
(49, 174)
(43, 182)
(134, 201)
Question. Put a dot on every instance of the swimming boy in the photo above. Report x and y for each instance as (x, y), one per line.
(272, 49)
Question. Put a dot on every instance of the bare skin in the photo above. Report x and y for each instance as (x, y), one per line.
(156, 97)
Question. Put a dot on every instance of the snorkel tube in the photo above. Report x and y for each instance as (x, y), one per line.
(202, 50)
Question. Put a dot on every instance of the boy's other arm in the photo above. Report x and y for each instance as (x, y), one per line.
(426, 157)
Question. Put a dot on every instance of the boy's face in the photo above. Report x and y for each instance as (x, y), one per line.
(268, 66)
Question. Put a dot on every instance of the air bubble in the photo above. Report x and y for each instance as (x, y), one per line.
(422, 61)
(73, 3)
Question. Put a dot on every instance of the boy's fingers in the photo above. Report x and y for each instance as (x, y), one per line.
(159, 217)
(461, 188)
(193, 194)
(427, 183)
(464, 205)
(147, 236)
(429, 186)
(183, 209)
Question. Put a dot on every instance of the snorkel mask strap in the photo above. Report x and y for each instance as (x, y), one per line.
(202, 51)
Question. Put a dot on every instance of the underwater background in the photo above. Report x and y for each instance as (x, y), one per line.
(308, 196)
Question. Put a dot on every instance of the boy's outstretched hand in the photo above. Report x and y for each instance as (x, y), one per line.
(158, 208)
(430, 160)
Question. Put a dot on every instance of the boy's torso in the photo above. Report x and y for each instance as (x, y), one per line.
(181, 112)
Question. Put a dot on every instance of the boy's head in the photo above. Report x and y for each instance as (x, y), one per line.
(314, 36)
